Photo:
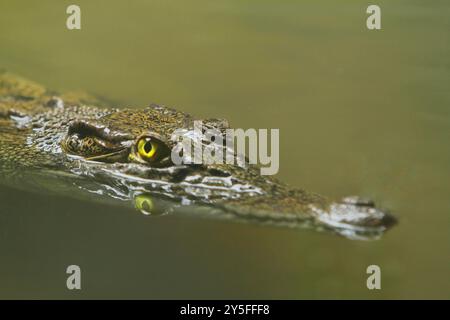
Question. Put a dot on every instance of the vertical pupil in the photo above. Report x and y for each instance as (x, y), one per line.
(148, 147)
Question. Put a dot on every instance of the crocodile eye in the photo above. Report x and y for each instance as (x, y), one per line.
(150, 149)
(147, 148)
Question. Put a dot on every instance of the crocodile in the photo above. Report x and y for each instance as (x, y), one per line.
(124, 153)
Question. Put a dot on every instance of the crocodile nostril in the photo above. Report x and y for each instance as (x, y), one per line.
(388, 220)
(358, 201)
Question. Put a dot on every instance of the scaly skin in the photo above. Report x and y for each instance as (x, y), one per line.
(73, 134)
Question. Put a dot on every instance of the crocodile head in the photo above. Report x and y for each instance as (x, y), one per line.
(128, 152)
(136, 145)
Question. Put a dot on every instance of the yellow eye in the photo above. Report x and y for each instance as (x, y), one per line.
(144, 203)
(147, 148)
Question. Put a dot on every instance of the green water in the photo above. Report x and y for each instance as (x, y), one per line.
(359, 112)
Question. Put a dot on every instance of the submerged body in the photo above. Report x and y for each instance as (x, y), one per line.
(126, 154)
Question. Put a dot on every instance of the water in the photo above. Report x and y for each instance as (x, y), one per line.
(359, 112)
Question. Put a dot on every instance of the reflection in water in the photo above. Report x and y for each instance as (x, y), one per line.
(149, 205)
(144, 204)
